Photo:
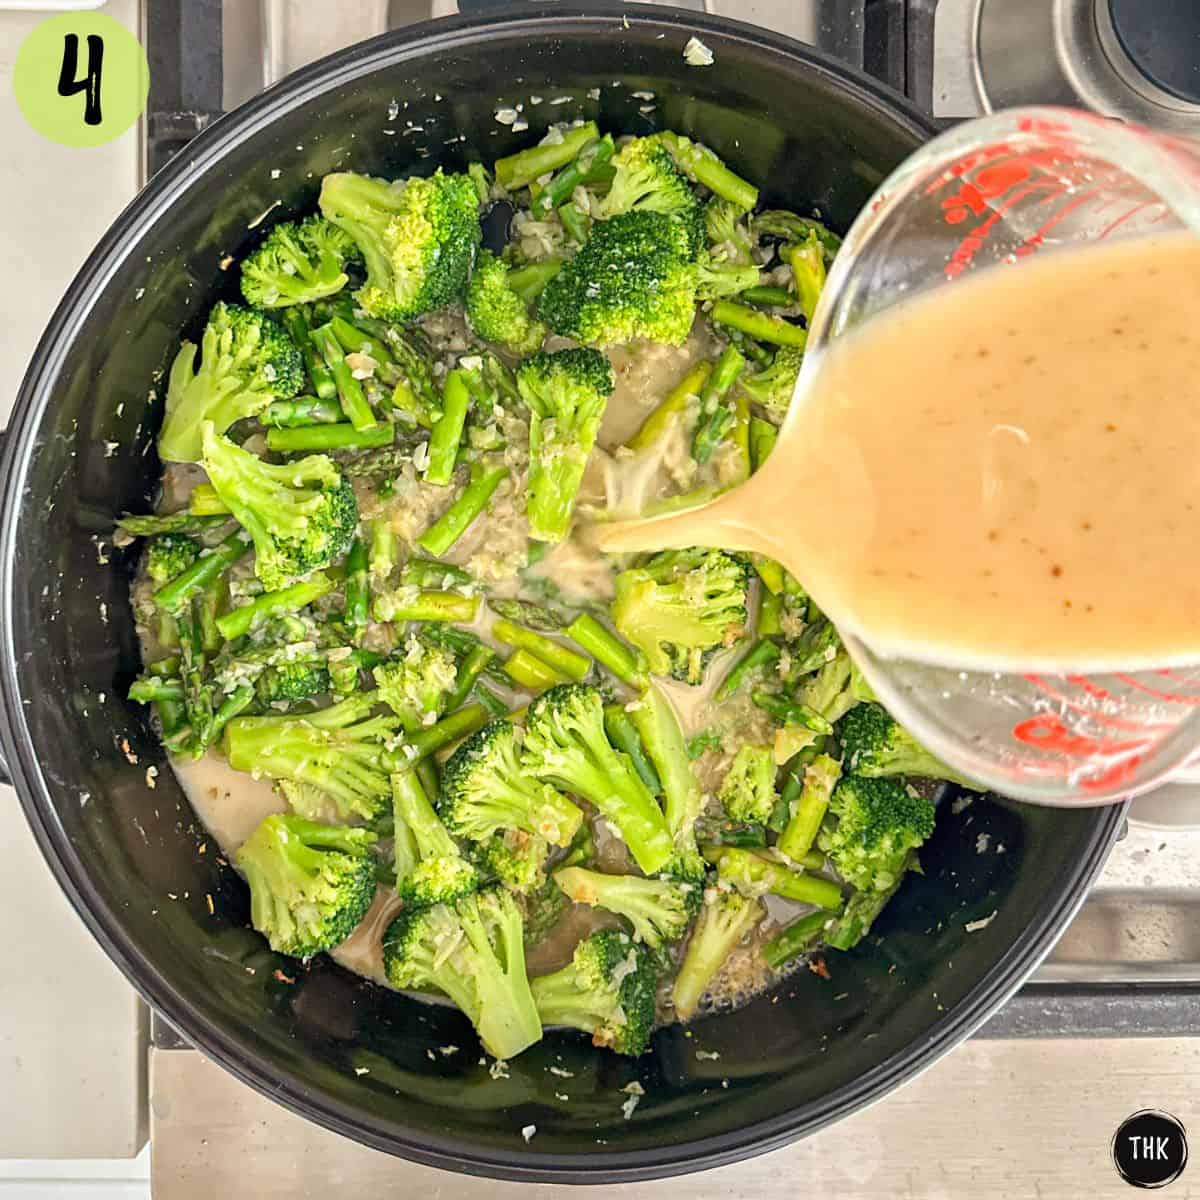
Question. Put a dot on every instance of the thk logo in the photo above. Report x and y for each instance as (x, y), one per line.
(1150, 1149)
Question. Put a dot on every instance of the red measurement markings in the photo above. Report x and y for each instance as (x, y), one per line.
(995, 179)
(1192, 701)
(1096, 714)
(1047, 731)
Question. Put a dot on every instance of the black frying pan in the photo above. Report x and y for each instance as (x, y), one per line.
(816, 136)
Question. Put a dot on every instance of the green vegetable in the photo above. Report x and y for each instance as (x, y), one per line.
(437, 873)
(566, 393)
(875, 744)
(754, 873)
(453, 523)
(725, 918)
(565, 744)
(608, 650)
(761, 655)
(350, 391)
(247, 361)
(747, 792)
(756, 324)
(310, 884)
(340, 751)
(487, 789)
(416, 684)
(647, 180)
(447, 432)
(878, 823)
(624, 736)
(702, 166)
(286, 600)
(409, 604)
(202, 573)
(330, 437)
(563, 660)
(763, 436)
(661, 418)
(715, 418)
(301, 515)
(800, 936)
(297, 263)
(807, 260)
(169, 555)
(658, 726)
(528, 671)
(472, 952)
(358, 595)
(658, 910)
(806, 815)
(418, 238)
(496, 312)
(521, 169)
(300, 412)
(680, 606)
(633, 277)
(299, 330)
(607, 990)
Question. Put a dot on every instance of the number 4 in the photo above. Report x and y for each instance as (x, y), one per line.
(68, 85)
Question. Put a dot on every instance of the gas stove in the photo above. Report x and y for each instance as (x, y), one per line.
(1130, 964)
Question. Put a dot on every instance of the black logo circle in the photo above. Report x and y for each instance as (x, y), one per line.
(1149, 1149)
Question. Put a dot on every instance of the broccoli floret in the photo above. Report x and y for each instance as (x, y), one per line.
(297, 264)
(310, 884)
(301, 515)
(747, 792)
(659, 910)
(496, 313)
(633, 278)
(779, 223)
(834, 689)
(338, 750)
(607, 990)
(879, 822)
(659, 729)
(430, 869)
(725, 918)
(715, 279)
(418, 238)
(473, 951)
(647, 180)
(247, 361)
(416, 683)
(877, 745)
(772, 387)
(566, 393)
(292, 681)
(680, 604)
(487, 789)
(728, 238)
(565, 744)
(169, 554)
(515, 859)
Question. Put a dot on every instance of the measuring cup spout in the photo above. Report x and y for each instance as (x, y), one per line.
(725, 523)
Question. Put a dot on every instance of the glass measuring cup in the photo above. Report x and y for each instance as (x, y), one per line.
(989, 192)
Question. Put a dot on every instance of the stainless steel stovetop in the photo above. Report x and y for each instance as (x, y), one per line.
(1109, 1023)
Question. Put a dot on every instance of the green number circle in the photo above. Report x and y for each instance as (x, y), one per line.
(57, 96)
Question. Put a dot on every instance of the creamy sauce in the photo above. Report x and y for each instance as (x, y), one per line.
(1003, 473)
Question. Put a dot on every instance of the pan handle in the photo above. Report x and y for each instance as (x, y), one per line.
(5, 774)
